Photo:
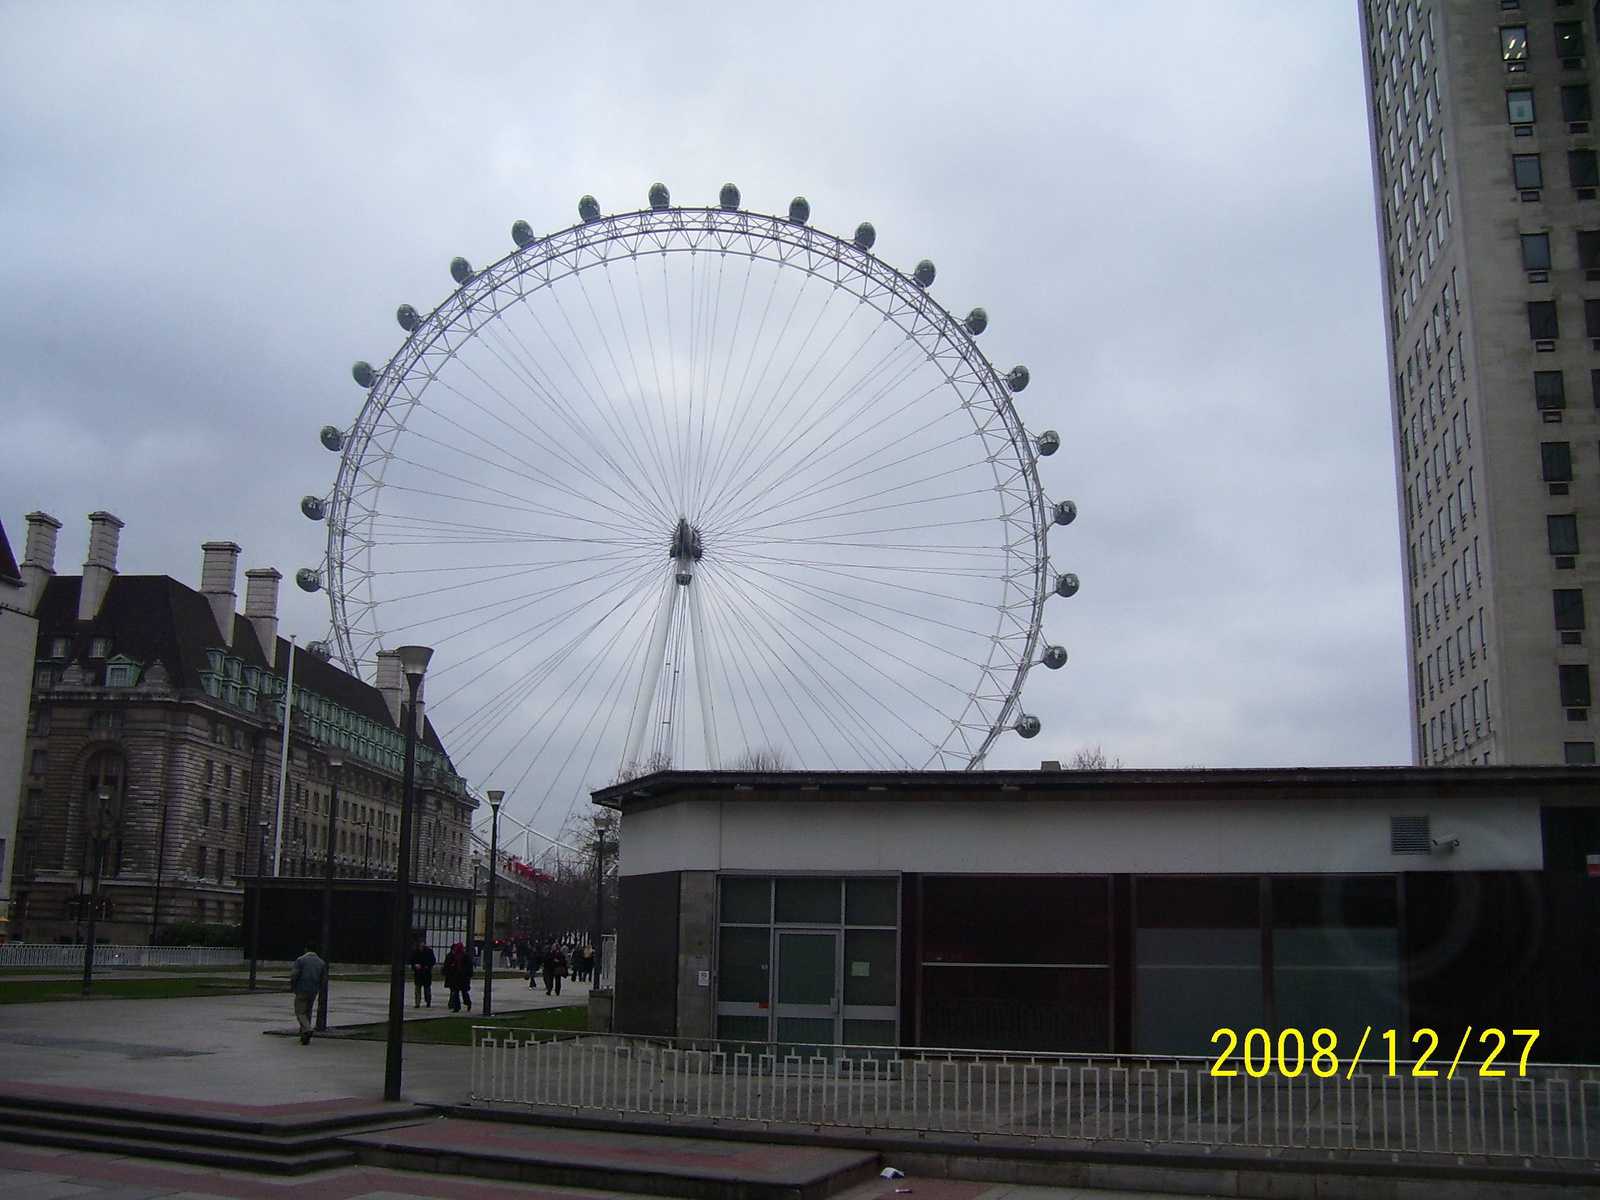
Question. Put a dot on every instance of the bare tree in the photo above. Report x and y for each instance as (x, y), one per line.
(660, 760)
(761, 758)
(1092, 758)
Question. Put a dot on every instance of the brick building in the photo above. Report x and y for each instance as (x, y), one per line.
(155, 728)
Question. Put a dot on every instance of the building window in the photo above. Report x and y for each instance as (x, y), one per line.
(1568, 608)
(1549, 390)
(35, 804)
(59, 647)
(1519, 106)
(40, 762)
(1574, 679)
(1579, 754)
(1591, 318)
(1584, 168)
(1569, 39)
(27, 854)
(1514, 47)
(205, 810)
(44, 678)
(1543, 323)
(100, 647)
(1536, 252)
(1561, 531)
(1589, 249)
(1575, 103)
(200, 862)
(1555, 460)
(119, 675)
(107, 721)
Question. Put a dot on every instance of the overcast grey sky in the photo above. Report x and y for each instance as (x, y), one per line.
(209, 211)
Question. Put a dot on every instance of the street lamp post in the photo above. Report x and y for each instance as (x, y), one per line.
(329, 844)
(602, 823)
(366, 851)
(97, 853)
(414, 662)
(488, 922)
(261, 895)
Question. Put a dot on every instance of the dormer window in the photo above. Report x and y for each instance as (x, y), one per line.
(121, 672)
(100, 647)
(59, 647)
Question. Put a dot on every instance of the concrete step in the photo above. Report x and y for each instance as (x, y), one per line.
(651, 1164)
(275, 1162)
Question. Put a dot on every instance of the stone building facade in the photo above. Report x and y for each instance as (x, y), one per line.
(18, 633)
(154, 743)
(1487, 174)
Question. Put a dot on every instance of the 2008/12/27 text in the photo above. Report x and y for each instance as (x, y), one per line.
(1258, 1052)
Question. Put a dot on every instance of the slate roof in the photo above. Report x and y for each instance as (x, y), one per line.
(8, 561)
(155, 618)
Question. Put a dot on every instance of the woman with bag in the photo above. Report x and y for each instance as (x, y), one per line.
(458, 977)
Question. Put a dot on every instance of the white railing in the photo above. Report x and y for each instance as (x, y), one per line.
(42, 954)
(1551, 1113)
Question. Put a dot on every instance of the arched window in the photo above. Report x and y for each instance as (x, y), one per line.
(105, 785)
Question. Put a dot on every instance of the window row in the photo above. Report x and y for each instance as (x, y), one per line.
(1448, 593)
(1527, 173)
(1566, 39)
(1457, 726)
(1458, 653)
(1544, 320)
(1536, 254)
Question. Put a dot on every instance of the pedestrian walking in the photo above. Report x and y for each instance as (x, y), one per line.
(306, 977)
(555, 966)
(422, 964)
(458, 977)
(589, 961)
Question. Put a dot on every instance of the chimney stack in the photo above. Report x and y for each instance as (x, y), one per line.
(100, 565)
(218, 574)
(261, 607)
(38, 558)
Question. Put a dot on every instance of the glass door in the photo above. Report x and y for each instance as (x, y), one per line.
(806, 1007)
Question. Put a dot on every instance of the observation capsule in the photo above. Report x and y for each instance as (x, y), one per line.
(332, 438)
(729, 196)
(589, 209)
(1049, 442)
(866, 235)
(1066, 585)
(977, 321)
(1017, 378)
(923, 275)
(799, 210)
(521, 233)
(659, 196)
(363, 374)
(407, 317)
(313, 507)
(1028, 725)
(1055, 657)
(320, 651)
(1064, 513)
(308, 579)
(460, 269)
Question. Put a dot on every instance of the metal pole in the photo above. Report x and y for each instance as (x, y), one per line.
(335, 761)
(104, 800)
(600, 825)
(161, 862)
(366, 851)
(488, 922)
(414, 661)
(283, 764)
(255, 913)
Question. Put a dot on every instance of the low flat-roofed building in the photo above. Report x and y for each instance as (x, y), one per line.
(1109, 911)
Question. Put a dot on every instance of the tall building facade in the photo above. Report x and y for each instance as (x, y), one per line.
(1484, 159)
(154, 748)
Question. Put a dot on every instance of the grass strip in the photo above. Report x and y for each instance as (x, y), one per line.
(457, 1031)
(32, 991)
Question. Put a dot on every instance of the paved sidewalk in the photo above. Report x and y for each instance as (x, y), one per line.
(212, 1048)
(36, 1174)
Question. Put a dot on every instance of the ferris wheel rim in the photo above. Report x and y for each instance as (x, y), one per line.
(899, 299)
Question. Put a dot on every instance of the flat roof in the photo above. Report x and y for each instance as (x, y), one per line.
(1556, 786)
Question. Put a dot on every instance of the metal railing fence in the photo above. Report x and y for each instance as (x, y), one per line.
(1552, 1113)
(41, 954)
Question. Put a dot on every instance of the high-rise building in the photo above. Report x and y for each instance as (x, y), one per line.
(1488, 196)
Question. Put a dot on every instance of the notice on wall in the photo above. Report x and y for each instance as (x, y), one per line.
(860, 970)
(702, 978)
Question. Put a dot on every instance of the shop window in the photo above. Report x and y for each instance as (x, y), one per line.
(1198, 961)
(1336, 953)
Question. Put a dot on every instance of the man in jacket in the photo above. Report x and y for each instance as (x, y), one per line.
(422, 962)
(305, 981)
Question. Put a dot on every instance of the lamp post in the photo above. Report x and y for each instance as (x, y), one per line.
(255, 913)
(602, 823)
(488, 922)
(97, 853)
(329, 843)
(414, 662)
(366, 851)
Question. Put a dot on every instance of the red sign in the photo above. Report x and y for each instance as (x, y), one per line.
(1594, 865)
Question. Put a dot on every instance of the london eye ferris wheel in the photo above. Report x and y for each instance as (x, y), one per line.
(694, 486)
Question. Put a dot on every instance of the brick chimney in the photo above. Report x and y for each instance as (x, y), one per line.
(219, 572)
(261, 607)
(38, 558)
(391, 682)
(100, 565)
